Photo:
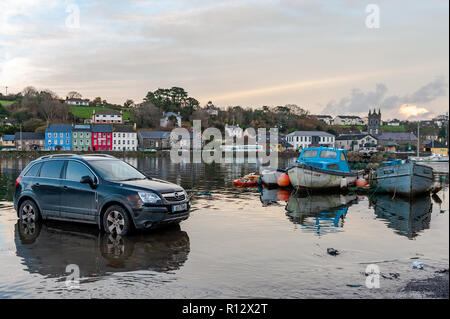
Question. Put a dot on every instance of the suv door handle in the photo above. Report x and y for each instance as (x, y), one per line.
(65, 187)
(37, 184)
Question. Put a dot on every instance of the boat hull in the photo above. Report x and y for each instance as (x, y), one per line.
(270, 177)
(406, 179)
(316, 179)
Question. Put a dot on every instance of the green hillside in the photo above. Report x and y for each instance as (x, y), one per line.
(85, 112)
(388, 128)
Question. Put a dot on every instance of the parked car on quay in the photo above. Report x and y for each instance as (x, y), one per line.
(97, 189)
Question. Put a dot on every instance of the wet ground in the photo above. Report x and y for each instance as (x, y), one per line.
(237, 243)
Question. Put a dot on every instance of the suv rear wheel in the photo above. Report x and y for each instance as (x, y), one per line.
(28, 212)
(116, 221)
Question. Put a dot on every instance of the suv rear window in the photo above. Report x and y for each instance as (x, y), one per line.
(33, 170)
(51, 169)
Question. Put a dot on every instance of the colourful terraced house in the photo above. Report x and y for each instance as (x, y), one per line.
(102, 138)
(81, 138)
(58, 137)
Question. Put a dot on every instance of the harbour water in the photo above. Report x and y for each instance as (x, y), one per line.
(238, 243)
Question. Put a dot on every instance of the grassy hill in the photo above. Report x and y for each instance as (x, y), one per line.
(5, 103)
(387, 128)
(85, 112)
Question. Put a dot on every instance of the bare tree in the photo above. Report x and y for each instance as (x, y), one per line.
(74, 95)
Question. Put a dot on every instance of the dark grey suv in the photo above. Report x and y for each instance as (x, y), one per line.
(97, 189)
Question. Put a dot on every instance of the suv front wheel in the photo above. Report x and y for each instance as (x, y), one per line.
(116, 221)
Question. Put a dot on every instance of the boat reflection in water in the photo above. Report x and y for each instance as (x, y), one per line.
(320, 214)
(408, 217)
(47, 248)
(270, 196)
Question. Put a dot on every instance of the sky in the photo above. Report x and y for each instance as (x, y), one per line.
(330, 57)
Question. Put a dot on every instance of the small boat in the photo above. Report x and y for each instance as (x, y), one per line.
(432, 158)
(404, 177)
(321, 169)
(248, 180)
(269, 176)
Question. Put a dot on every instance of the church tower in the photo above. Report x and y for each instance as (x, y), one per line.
(374, 125)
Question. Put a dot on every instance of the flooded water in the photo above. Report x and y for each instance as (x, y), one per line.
(237, 243)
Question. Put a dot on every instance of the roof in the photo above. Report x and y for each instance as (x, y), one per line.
(352, 137)
(77, 99)
(59, 128)
(310, 133)
(107, 112)
(8, 137)
(103, 128)
(397, 136)
(30, 136)
(349, 116)
(124, 128)
(168, 114)
(323, 116)
(81, 128)
(436, 144)
(154, 134)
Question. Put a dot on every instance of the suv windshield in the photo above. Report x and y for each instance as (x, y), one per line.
(116, 170)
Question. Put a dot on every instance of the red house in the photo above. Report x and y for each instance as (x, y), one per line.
(102, 138)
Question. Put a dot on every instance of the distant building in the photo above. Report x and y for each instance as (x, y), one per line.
(58, 137)
(124, 138)
(279, 145)
(102, 138)
(303, 139)
(81, 138)
(328, 119)
(186, 141)
(401, 138)
(394, 122)
(356, 142)
(27, 141)
(165, 119)
(233, 131)
(441, 120)
(436, 147)
(154, 139)
(77, 102)
(8, 140)
(211, 109)
(374, 125)
(348, 120)
(107, 116)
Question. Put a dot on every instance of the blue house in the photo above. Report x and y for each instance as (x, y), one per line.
(58, 137)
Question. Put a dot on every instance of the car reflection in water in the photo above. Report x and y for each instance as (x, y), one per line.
(47, 248)
(408, 217)
(320, 214)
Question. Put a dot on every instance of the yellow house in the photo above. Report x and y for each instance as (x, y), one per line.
(7, 141)
(436, 148)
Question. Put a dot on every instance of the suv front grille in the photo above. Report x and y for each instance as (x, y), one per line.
(175, 196)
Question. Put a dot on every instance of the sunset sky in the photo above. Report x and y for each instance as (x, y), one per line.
(317, 54)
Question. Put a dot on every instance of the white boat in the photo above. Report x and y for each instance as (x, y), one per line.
(404, 178)
(432, 158)
(270, 175)
(321, 169)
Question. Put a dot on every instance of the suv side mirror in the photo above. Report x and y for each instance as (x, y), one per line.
(87, 180)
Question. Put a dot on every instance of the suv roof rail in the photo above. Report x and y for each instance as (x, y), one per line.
(58, 155)
(100, 155)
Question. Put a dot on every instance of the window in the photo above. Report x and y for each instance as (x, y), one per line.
(55, 134)
(74, 134)
(49, 135)
(33, 170)
(75, 171)
(343, 158)
(310, 153)
(328, 154)
(61, 134)
(51, 169)
(61, 142)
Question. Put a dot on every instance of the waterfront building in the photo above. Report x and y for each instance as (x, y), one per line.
(102, 139)
(27, 141)
(303, 139)
(81, 138)
(124, 138)
(58, 137)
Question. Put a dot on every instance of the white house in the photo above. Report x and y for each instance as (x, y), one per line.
(328, 119)
(303, 139)
(394, 122)
(124, 138)
(164, 121)
(348, 120)
(77, 102)
(107, 116)
(231, 131)
(356, 142)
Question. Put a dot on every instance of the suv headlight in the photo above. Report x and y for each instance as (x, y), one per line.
(150, 198)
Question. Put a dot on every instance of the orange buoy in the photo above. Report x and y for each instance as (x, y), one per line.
(283, 180)
(361, 182)
(283, 194)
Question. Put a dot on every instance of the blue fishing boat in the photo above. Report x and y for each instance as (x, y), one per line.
(405, 178)
(320, 169)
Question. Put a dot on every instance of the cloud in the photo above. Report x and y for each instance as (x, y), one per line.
(408, 105)
(410, 111)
